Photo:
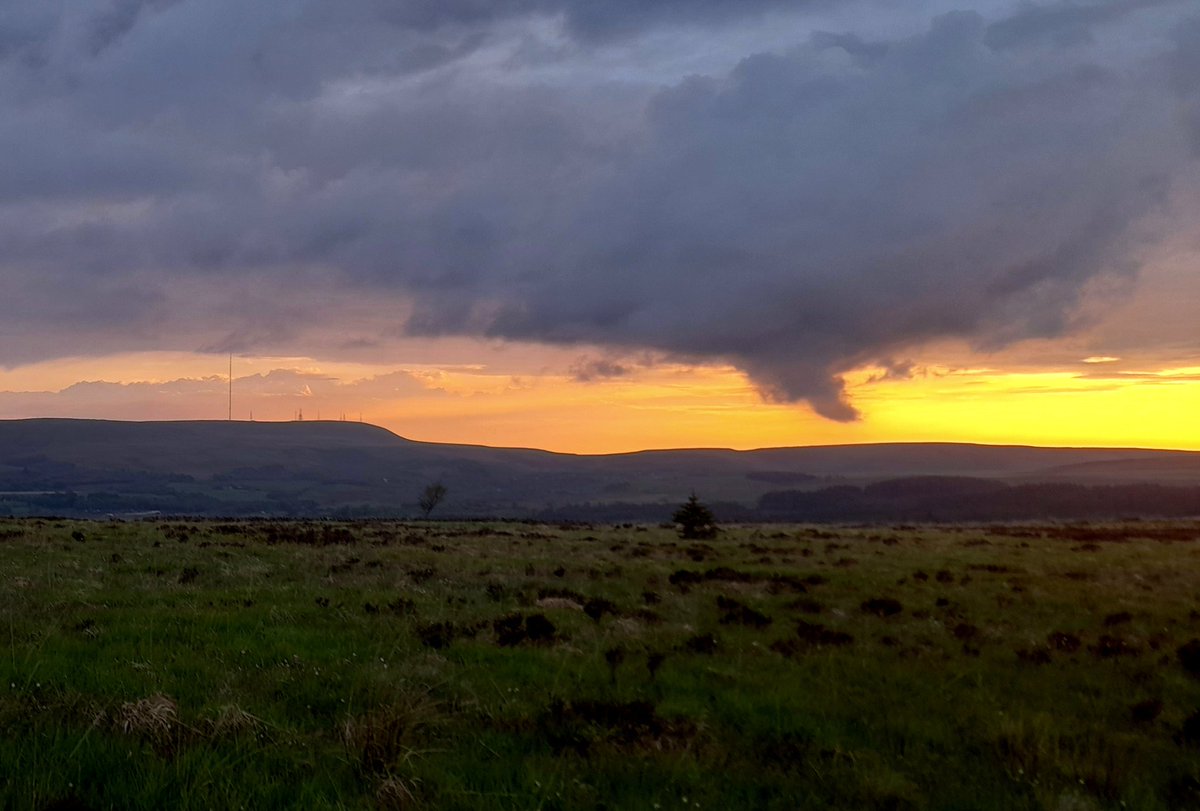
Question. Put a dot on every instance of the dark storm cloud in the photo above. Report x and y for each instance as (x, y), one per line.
(226, 175)
(587, 370)
(1063, 23)
(584, 19)
(591, 20)
(113, 23)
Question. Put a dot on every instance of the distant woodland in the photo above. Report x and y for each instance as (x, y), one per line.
(929, 499)
(919, 499)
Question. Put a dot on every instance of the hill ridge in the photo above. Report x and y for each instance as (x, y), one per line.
(325, 466)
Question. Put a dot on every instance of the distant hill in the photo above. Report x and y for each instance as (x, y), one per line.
(98, 467)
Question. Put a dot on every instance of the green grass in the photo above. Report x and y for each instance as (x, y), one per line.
(306, 665)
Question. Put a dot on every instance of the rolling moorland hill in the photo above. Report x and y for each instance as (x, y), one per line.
(97, 467)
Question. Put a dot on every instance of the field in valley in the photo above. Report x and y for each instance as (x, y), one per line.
(261, 665)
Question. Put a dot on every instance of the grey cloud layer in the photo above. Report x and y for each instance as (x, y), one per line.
(834, 203)
(278, 394)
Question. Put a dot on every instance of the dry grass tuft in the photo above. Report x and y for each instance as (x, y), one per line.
(232, 720)
(395, 794)
(154, 717)
(389, 734)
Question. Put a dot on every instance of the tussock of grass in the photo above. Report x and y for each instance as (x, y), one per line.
(154, 717)
(390, 735)
(395, 794)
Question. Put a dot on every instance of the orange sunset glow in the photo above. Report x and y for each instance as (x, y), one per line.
(655, 406)
(782, 225)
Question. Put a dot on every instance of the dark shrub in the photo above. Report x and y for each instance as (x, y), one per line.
(539, 629)
(683, 577)
(613, 657)
(516, 628)
(402, 606)
(1190, 734)
(806, 605)
(436, 635)
(1034, 656)
(580, 724)
(510, 630)
(1119, 618)
(705, 644)
(1063, 642)
(736, 613)
(1146, 711)
(1189, 657)
(964, 631)
(1107, 647)
(597, 607)
(817, 634)
(882, 606)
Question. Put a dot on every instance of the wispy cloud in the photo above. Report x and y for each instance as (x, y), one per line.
(277, 394)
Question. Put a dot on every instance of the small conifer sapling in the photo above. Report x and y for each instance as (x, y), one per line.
(694, 520)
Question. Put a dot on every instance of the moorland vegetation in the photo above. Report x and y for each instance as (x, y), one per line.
(268, 664)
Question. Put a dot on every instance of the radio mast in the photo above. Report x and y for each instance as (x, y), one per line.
(231, 387)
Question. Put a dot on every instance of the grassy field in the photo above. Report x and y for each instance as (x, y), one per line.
(268, 665)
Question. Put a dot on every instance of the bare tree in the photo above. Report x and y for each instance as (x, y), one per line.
(431, 496)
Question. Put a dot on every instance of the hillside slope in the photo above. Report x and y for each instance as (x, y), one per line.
(218, 467)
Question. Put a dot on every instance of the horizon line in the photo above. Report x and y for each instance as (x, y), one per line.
(361, 422)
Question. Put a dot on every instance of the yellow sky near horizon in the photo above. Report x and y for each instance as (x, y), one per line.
(531, 403)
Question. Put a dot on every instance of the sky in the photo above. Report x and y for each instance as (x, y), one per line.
(600, 227)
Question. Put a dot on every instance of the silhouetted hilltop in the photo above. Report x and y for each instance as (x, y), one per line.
(91, 467)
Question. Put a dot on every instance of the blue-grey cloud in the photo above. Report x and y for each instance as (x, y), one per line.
(221, 175)
(1064, 23)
